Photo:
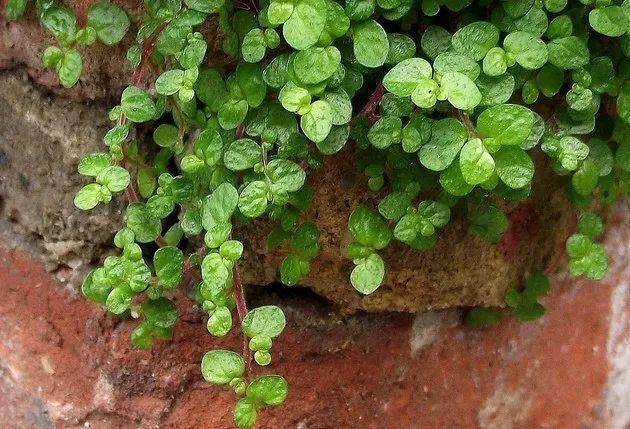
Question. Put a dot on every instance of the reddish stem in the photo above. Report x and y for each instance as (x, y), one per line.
(241, 310)
(369, 110)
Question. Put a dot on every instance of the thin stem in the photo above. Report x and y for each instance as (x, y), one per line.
(241, 310)
(369, 110)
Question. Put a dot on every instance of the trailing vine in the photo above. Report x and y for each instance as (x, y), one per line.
(444, 100)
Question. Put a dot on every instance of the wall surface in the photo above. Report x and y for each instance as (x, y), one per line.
(65, 363)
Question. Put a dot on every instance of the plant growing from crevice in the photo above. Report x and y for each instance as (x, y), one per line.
(444, 102)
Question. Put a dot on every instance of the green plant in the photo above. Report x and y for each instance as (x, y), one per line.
(439, 118)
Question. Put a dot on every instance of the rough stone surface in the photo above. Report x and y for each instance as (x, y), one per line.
(64, 363)
(45, 136)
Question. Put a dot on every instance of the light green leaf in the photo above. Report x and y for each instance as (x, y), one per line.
(611, 21)
(405, 76)
(253, 199)
(370, 43)
(315, 65)
(475, 39)
(286, 176)
(88, 197)
(306, 23)
(447, 138)
(169, 262)
(460, 91)
(316, 124)
(109, 20)
(368, 275)
(506, 124)
(137, 105)
(514, 167)
(242, 154)
(476, 163)
(69, 68)
(267, 321)
(222, 366)
(528, 50)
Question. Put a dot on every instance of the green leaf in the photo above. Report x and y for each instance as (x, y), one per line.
(96, 286)
(586, 257)
(315, 65)
(51, 56)
(109, 20)
(385, 132)
(232, 114)
(425, 93)
(451, 62)
(169, 82)
(269, 390)
(460, 91)
(394, 205)
(341, 106)
(160, 312)
(405, 76)
(585, 179)
(571, 152)
(15, 8)
(69, 68)
(447, 138)
(141, 221)
(476, 39)
(286, 176)
(302, 29)
(368, 228)
(222, 366)
(206, 6)
(435, 212)
(266, 321)
(210, 88)
(219, 206)
(401, 47)
(505, 124)
(317, 123)
(220, 322)
(137, 105)
(489, 223)
(611, 21)
(476, 163)
(514, 167)
(88, 197)
(254, 46)
(335, 141)
(253, 199)
(214, 271)
(242, 154)
(370, 43)
(452, 180)
(368, 275)
(480, 317)
(528, 50)
(93, 164)
(169, 263)
(119, 300)
(115, 178)
(568, 53)
(231, 250)
(291, 270)
(294, 98)
(591, 225)
(245, 412)
(61, 23)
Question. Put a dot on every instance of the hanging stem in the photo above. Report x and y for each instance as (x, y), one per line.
(241, 310)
